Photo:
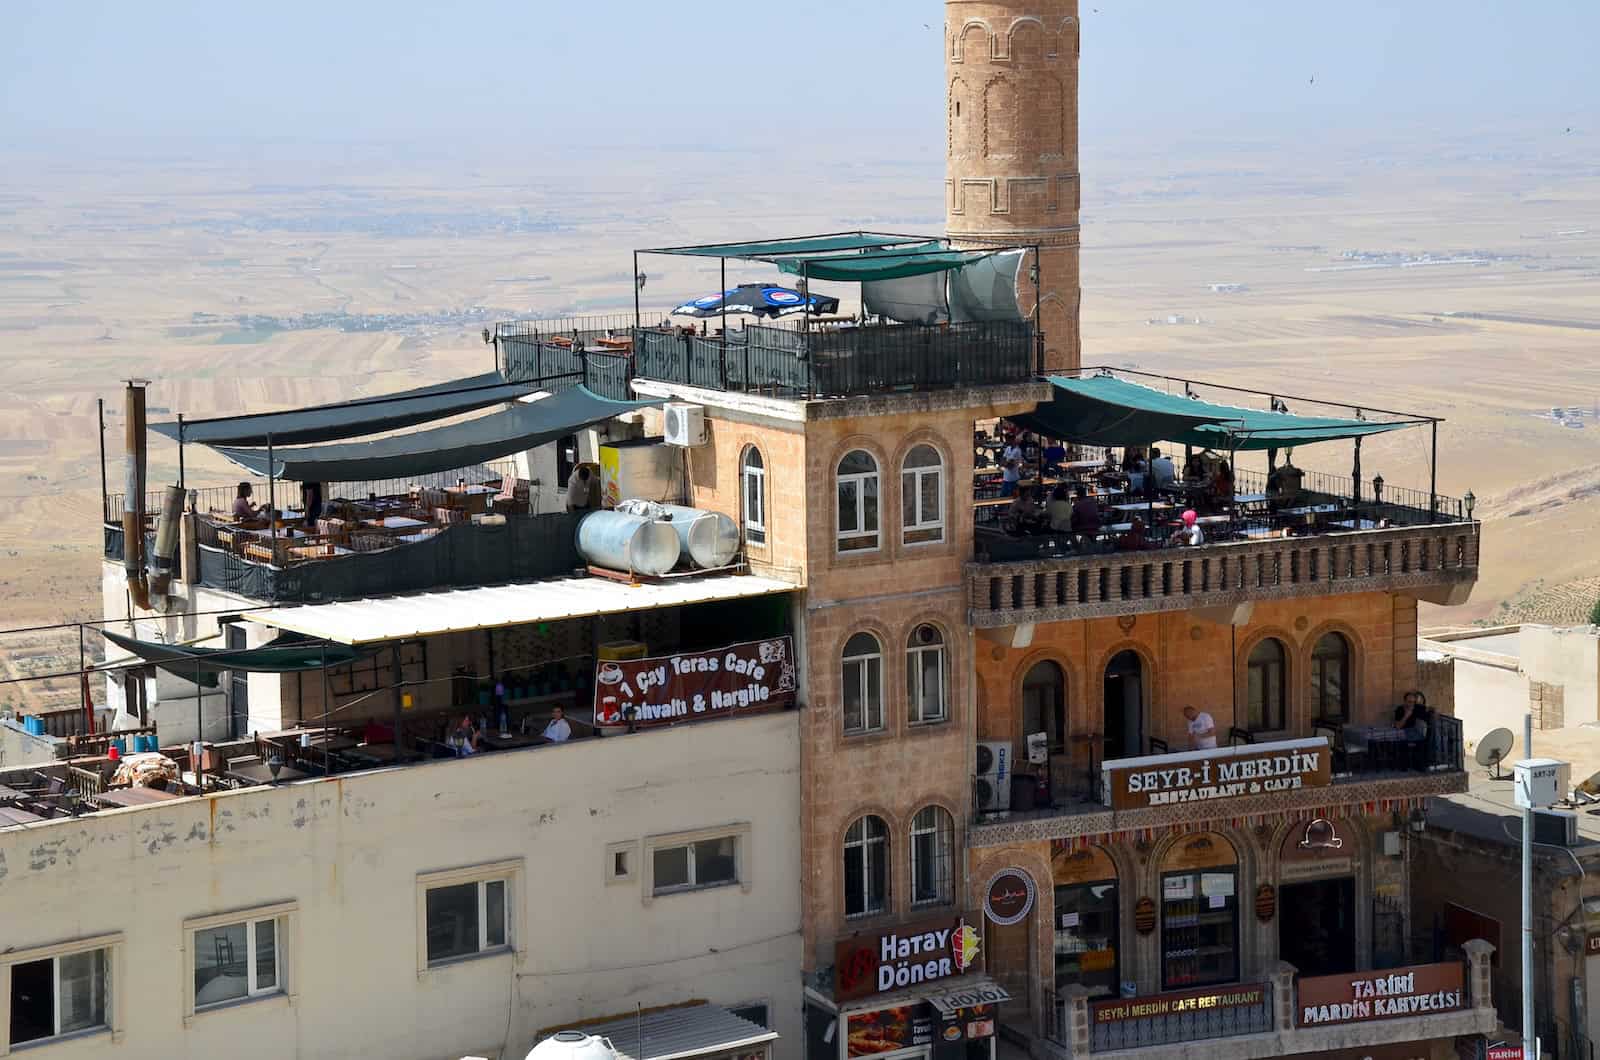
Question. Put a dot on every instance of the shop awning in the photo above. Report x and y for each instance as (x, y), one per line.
(1105, 410)
(488, 437)
(352, 419)
(968, 993)
(680, 1032)
(492, 607)
(284, 655)
(891, 263)
(758, 250)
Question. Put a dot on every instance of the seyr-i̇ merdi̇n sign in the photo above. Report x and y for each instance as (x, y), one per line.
(1217, 773)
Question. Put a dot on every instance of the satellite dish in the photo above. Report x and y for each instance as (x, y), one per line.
(1493, 748)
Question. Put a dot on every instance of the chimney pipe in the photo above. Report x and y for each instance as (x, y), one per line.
(133, 494)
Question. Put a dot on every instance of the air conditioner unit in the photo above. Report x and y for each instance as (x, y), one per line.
(1555, 828)
(992, 790)
(684, 425)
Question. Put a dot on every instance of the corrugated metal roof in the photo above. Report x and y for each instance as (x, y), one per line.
(491, 607)
(679, 1032)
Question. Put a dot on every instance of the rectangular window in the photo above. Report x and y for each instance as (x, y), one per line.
(921, 514)
(863, 694)
(696, 865)
(755, 505)
(1199, 928)
(925, 684)
(1086, 937)
(235, 961)
(60, 995)
(467, 918)
(858, 513)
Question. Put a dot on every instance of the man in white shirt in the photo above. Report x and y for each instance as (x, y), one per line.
(1161, 468)
(1202, 730)
(559, 731)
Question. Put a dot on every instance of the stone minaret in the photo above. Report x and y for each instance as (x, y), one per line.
(1011, 162)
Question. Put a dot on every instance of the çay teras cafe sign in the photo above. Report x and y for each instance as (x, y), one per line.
(1219, 773)
(900, 957)
(753, 676)
(1417, 991)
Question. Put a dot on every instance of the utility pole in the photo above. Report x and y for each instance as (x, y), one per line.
(1529, 1035)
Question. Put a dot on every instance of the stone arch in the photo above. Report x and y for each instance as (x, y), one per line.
(896, 830)
(960, 117)
(1094, 680)
(957, 664)
(833, 645)
(1026, 40)
(891, 487)
(1001, 110)
(1067, 37)
(1358, 662)
(964, 38)
(1070, 686)
(1293, 677)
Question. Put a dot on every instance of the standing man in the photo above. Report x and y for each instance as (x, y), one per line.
(1202, 729)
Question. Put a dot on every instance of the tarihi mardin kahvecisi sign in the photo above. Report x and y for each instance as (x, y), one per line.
(1217, 773)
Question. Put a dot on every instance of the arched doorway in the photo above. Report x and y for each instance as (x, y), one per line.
(1124, 705)
(1317, 867)
(1199, 912)
(1085, 919)
(1044, 709)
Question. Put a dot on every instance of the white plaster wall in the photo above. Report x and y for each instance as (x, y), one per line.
(1488, 697)
(1570, 657)
(348, 851)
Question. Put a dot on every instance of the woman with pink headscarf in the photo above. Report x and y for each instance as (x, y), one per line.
(1189, 533)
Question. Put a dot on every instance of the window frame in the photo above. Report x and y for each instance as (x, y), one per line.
(944, 831)
(856, 481)
(740, 834)
(286, 916)
(916, 692)
(112, 942)
(511, 871)
(753, 515)
(867, 843)
(864, 662)
(630, 851)
(1280, 686)
(911, 490)
(1319, 666)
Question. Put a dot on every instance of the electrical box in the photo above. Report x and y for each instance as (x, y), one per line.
(1540, 782)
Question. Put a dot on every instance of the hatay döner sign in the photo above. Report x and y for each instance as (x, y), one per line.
(876, 963)
(757, 675)
(1217, 773)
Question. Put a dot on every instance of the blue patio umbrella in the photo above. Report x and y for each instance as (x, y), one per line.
(757, 299)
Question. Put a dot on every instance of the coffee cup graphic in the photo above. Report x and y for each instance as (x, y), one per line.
(610, 674)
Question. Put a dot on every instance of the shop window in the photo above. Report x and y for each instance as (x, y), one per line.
(863, 684)
(932, 840)
(60, 994)
(922, 496)
(1086, 937)
(1199, 913)
(1265, 686)
(753, 479)
(1330, 678)
(858, 502)
(866, 867)
(1044, 704)
(926, 668)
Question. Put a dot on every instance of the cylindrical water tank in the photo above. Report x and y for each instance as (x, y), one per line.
(710, 538)
(628, 542)
(572, 1045)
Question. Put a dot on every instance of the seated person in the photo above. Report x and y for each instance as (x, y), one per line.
(1161, 469)
(465, 739)
(1194, 471)
(1221, 490)
(1137, 472)
(1411, 716)
(1059, 510)
(1009, 477)
(1189, 533)
(242, 507)
(559, 729)
(1134, 540)
(1085, 514)
(1055, 454)
(1024, 515)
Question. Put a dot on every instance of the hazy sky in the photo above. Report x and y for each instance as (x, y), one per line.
(698, 72)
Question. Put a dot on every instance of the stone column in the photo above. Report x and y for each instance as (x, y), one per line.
(1283, 974)
(1479, 981)
(1073, 1028)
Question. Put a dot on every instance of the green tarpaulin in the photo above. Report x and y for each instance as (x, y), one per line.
(1105, 410)
(771, 248)
(892, 264)
(284, 655)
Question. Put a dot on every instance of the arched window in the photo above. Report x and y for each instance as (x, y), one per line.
(932, 840)
(1265, 686)
(922, 496)
(926, 669)
(863, 684)
(1330, 678)
(1044, 704)
(753, 486)
(866, 867)
(858, 502)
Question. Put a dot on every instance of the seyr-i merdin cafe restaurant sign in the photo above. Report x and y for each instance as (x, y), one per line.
(1216, 773)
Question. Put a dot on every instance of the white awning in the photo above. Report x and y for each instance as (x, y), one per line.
(685, 1031)
(946, 995)
(492, 607)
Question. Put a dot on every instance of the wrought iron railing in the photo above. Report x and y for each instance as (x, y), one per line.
(1223, 1017)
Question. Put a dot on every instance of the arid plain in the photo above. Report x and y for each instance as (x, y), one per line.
(113, 268)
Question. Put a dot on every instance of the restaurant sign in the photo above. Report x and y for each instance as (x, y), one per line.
(875, 963)
(1218, 773)
(1420, 990)
(1179, 1003)
(756, 675)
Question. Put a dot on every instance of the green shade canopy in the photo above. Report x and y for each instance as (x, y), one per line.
(1105, 410)
(284, 655)
(891, 264)
(762, 249)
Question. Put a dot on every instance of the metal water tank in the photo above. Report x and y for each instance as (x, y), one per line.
(628, 542)
(710, 538)
(572, 1045)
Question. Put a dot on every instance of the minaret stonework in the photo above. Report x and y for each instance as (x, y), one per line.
(1011, 152)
